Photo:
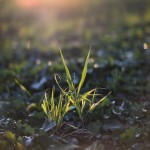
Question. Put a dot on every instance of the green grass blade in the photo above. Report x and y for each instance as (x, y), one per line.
(94, 105)
(23, 87)
(83, 105)
(52, 100)
(85, 95)
(55, 77)
(78, 108)
(93, 96)
(43, 105)
(68, 75)
(84, 72)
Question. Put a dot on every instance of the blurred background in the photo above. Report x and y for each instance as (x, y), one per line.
(46, 24)
(118, 32)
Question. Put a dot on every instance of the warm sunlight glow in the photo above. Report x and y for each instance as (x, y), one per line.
(45, 3)
(29, 3)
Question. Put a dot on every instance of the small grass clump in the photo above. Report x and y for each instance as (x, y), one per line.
(55, 112)
(71, 97)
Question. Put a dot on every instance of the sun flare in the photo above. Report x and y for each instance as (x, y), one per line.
(53, 3)
(29, 3)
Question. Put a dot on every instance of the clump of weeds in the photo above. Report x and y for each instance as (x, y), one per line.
(71, 97)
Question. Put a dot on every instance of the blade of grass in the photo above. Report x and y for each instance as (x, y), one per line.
(44, 106)
(55, 77)
(23, 87)
(84, 73)
(68, 75)
(85, 95)
(92, 107)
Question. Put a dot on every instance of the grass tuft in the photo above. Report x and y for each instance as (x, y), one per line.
(71, 97)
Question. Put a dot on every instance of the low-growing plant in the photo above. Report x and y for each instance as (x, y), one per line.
(71, 97)
(53, 110)
(79, 100)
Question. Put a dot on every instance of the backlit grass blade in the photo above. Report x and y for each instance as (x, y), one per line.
(87, 94)
(55, 77)
(84, 72)
(83, 105)
(52, 99)
(93, 96)
(94, 105)
(44, 106)
(23, 87)
(68, 75)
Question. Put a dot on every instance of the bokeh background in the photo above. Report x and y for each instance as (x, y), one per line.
(46, 24)
(118, 32)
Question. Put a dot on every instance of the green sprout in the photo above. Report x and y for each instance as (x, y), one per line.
(79, 100)
(71, 97)
(55, 112)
